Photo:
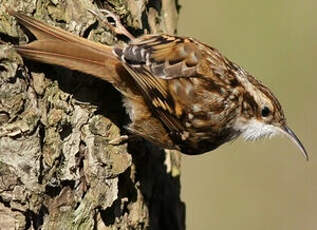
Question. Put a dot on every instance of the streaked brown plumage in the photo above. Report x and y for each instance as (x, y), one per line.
(180, 93)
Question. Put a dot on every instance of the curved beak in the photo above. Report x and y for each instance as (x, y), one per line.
(291, 135)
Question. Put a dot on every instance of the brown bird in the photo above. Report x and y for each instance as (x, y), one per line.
(180, 93)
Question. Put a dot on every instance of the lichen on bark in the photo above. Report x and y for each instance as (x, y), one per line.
(57, 168)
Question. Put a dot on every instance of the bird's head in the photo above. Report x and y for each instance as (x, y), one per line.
(262, 114)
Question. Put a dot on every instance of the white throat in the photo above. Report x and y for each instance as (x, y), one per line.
(253, 129)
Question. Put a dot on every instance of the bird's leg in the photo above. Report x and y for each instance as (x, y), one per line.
(115, 27)
(123, 139)
(119, 140)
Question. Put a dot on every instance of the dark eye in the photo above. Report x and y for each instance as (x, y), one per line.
(265, 111)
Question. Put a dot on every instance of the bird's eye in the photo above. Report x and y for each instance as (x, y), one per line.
(265, 111)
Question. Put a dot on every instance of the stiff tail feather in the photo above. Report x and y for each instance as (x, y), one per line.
(59, 47)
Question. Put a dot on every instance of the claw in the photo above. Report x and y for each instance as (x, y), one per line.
(119, 140)
(118, 28)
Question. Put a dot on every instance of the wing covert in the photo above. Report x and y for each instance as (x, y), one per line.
(163, 56)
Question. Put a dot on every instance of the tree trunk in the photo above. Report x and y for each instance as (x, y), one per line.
(57, 169)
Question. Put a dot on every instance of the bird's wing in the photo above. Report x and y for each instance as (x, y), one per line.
(154, 61)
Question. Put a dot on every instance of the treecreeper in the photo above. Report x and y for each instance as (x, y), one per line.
(179, 93)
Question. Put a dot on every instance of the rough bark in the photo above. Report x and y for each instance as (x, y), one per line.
(57, 170)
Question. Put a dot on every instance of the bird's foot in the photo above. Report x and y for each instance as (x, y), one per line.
(115, 26)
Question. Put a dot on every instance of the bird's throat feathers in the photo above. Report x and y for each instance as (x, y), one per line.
(254, 129)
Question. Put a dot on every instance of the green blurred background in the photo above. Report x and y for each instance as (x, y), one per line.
(267, 184)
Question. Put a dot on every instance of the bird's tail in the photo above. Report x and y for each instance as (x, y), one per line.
(59, 47)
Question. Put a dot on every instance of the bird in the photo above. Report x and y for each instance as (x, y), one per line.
(179, 93)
